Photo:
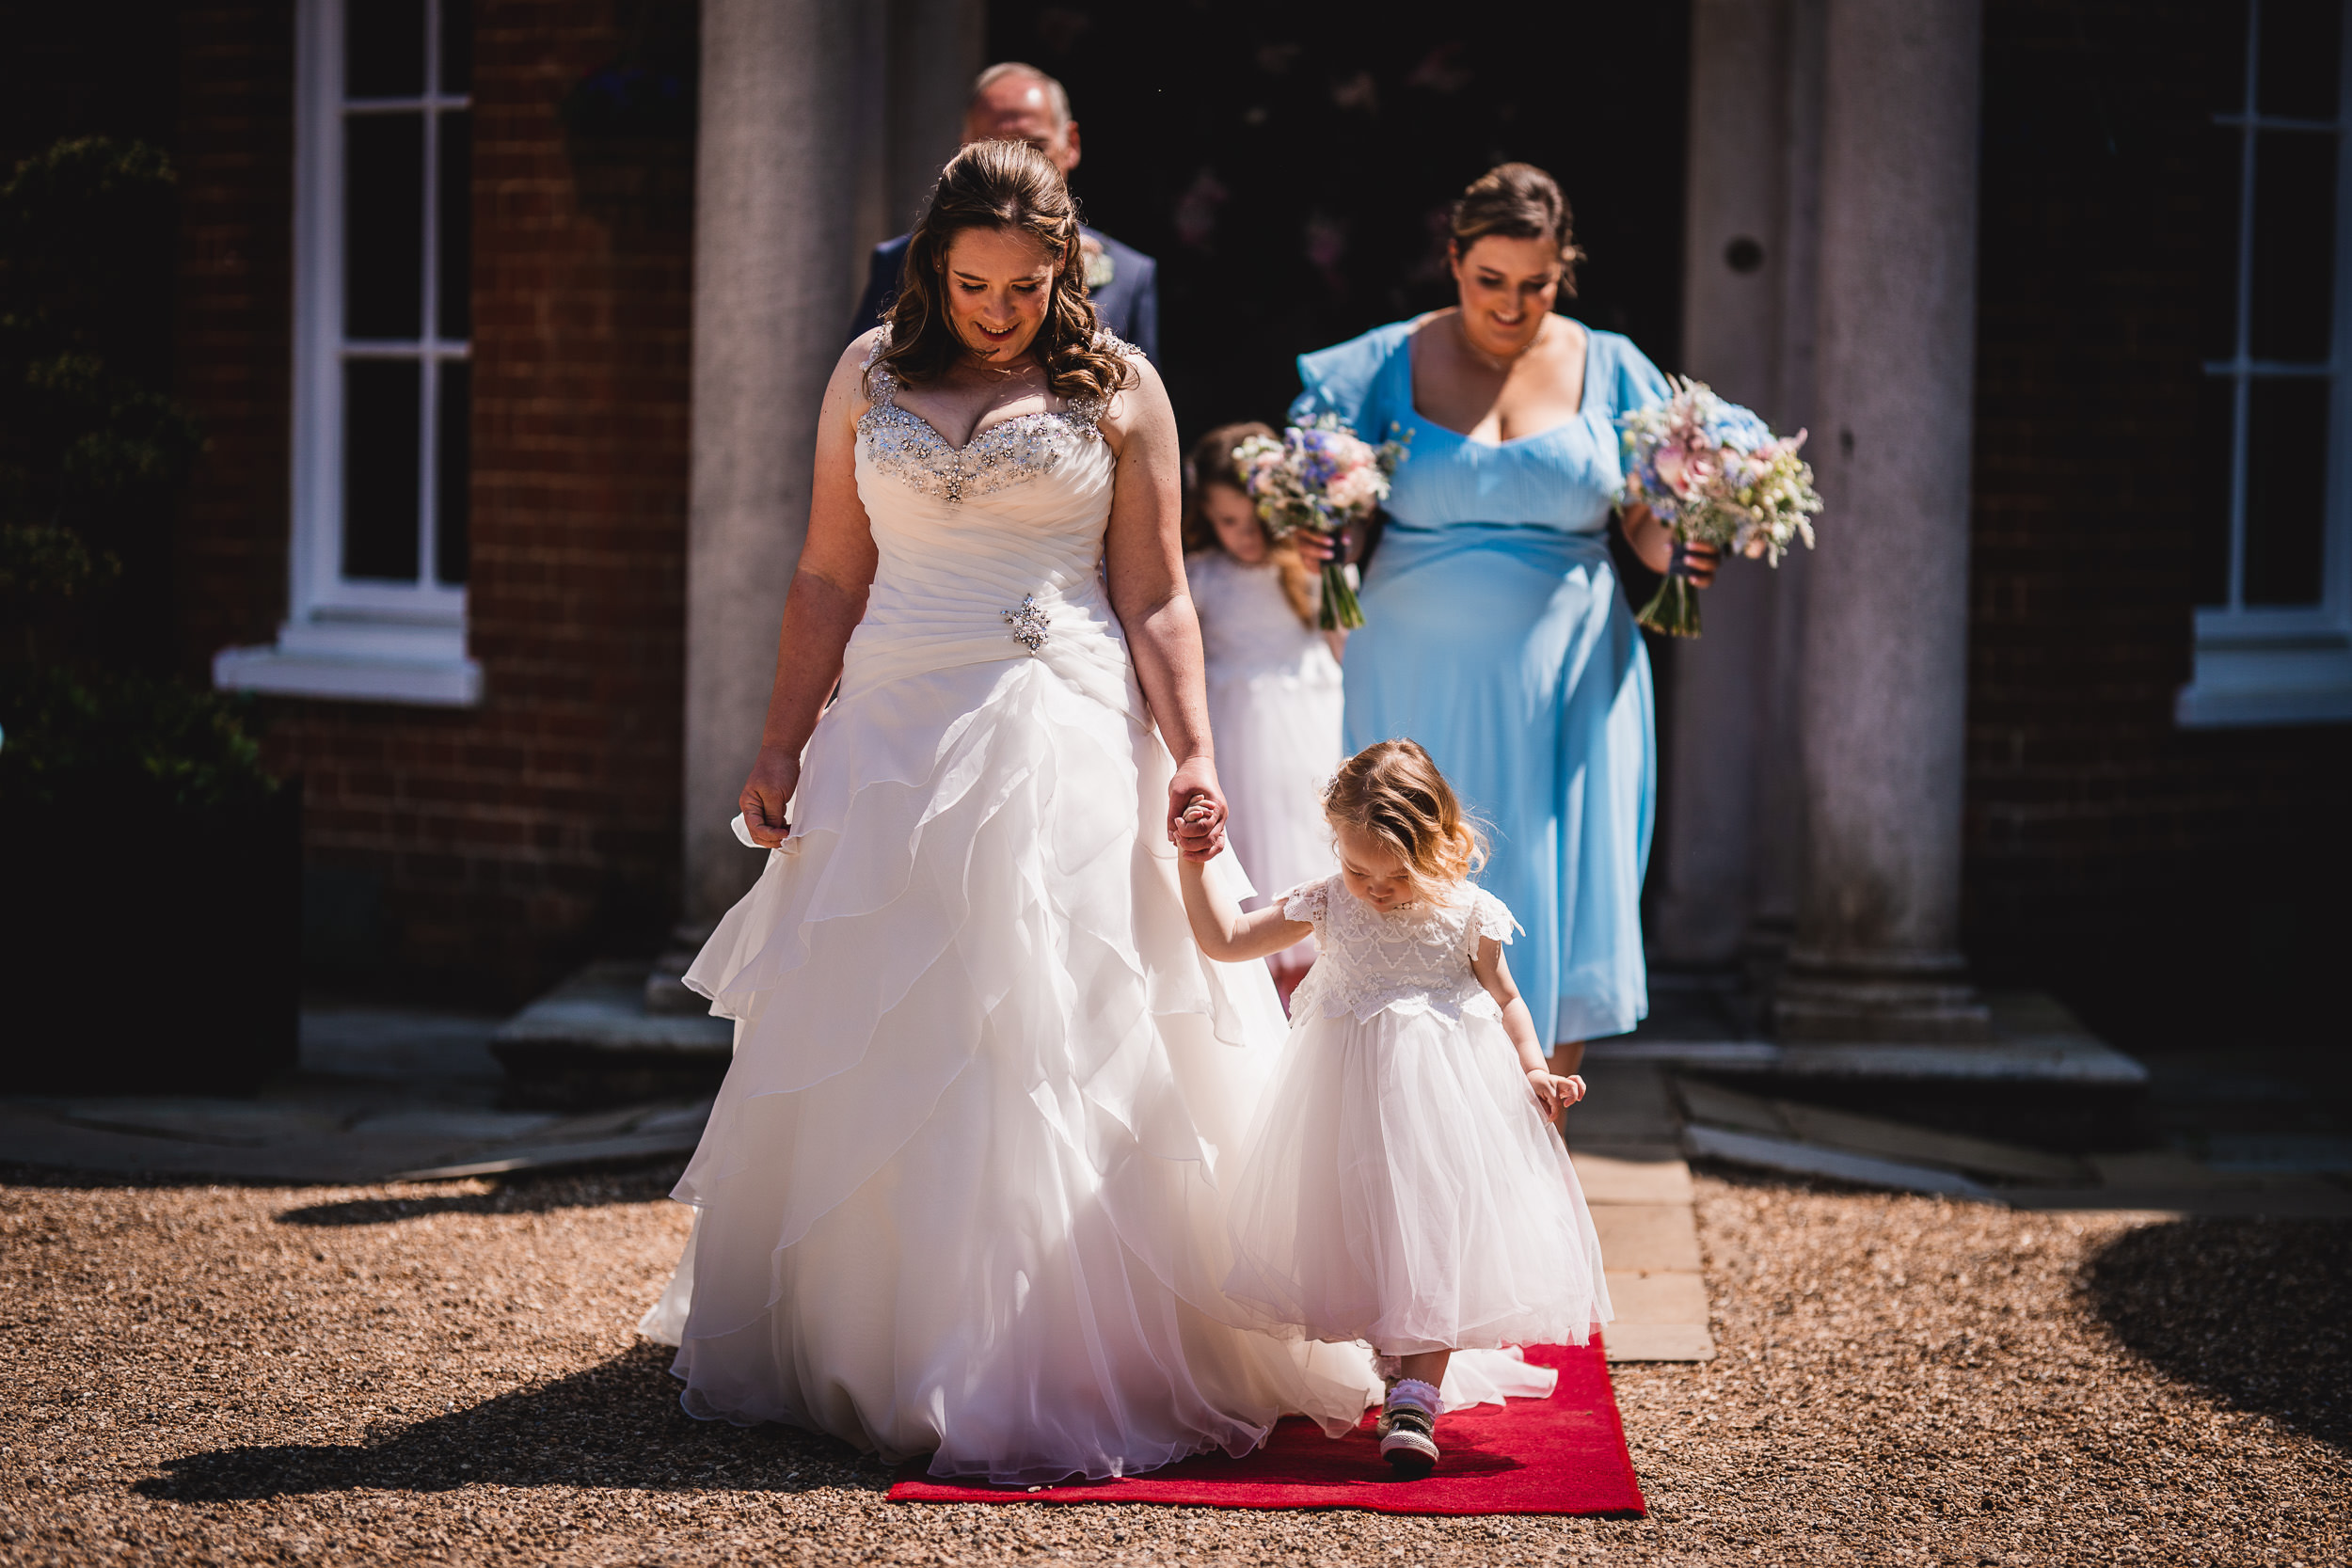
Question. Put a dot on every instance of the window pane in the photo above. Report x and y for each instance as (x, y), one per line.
(455, 304)
(2209, 534)
(456, 46)
(2286, 489)
(453, 478)
(380, 459)
(383, 225)
(2301, 58)
(2295, 244)
(2223, 148)
(382, 48)
(2223, 37)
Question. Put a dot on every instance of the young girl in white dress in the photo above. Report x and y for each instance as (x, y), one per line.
(1275, 701)
(1403, 1182)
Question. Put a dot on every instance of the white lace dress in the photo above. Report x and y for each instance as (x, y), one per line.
(1400, 1184)
(961, 1193)
(1274, 706)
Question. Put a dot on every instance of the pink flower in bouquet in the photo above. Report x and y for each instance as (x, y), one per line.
(1688, 464)
(1714, 473)
(1359, 488)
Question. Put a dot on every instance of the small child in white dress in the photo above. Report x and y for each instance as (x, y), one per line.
(1274, 684)
(1403, 1182)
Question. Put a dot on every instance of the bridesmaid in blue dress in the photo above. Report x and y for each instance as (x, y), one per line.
(1496, 634)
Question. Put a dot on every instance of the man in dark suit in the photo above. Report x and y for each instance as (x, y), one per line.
(1012, 101)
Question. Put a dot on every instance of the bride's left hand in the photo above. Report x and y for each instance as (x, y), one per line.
(1200, 837)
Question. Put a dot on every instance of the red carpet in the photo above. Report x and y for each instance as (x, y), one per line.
(1561, 1455)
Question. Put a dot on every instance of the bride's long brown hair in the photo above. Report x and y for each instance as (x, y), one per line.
(1006, 186)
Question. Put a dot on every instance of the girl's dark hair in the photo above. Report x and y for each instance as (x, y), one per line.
(1211, 462)
(1518, 201)
(1006, 186)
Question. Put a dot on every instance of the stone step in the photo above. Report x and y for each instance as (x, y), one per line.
(593, 1041)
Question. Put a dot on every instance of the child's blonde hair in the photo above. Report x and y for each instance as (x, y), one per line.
(1393, 792)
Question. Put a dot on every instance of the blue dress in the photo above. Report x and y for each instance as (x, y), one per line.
(1496, 636)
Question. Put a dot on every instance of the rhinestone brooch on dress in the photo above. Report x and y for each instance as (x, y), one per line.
(1028, 623)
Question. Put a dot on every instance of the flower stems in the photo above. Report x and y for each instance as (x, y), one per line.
(1674, 609)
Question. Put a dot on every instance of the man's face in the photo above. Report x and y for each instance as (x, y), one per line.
(1016, 108)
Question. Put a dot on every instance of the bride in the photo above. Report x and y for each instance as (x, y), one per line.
(960, 1193)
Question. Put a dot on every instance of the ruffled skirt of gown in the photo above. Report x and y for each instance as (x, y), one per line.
(960, 1193)
(1401, 1187)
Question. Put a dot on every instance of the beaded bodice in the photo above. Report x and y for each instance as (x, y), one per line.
(988, 551)
(1010, 452)
(1414, 958)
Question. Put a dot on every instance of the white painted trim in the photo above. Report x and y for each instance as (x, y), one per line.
(345, 637)
(2271, 682)
(362, 660)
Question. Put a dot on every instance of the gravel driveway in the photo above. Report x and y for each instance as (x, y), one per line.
(236, 1374)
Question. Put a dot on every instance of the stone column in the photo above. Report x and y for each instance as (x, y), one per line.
(1734, 265)
(1779, 833)
(777, 274)
(937, 48)
(1877, 955)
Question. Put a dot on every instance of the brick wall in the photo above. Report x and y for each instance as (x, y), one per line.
(234, 351)
(477, 851)
(2172, 883)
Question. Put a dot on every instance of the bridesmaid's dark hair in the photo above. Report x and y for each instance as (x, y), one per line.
(1211, 462)
(1518, 201)
(1007, 185)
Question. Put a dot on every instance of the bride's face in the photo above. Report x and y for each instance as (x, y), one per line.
(1507, 287)
(998, 284)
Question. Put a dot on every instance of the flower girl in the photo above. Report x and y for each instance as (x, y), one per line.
(1273, 682)
(1403, 1182)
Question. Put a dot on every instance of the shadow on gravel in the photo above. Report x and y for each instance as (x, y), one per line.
(517, 1195)
(2250, 1309)
(617, 1424)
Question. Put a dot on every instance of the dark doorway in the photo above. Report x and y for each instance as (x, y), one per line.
(1290, 164)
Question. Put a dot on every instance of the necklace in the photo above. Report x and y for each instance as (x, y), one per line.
(1001, 372)
(1500, 364)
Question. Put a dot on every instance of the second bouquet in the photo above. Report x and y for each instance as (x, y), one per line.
(1715, 474)
(1320, 476)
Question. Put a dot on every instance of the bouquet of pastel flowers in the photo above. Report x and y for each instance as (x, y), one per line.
(1319, 476)
(1714, 474)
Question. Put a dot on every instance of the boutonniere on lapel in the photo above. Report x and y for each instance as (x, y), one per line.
(1100, 269)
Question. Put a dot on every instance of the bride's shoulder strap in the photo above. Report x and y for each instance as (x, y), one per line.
(1087, 411)
(879, 383)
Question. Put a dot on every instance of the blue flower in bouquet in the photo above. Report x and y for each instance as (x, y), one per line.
(1714, 473)
(1318, 476)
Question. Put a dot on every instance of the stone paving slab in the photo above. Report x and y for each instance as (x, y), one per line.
(1647, 1236)
(1625, 1143)
(2289, 1199)
(1632, 1173)
(241, 1140)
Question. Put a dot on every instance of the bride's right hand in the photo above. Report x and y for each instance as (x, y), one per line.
(775, 775)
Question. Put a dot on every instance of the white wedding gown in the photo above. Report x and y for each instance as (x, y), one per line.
(960, 1191)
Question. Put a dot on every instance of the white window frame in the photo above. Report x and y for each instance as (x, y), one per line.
(373, 640)
(2282, 664)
